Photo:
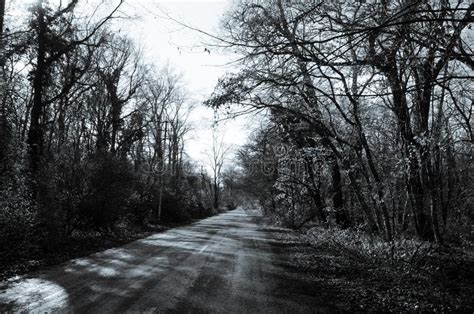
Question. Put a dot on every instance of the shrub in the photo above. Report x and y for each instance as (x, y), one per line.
(231, 206)
(357, 244)
(17, 219)
(174, 208)
(110, 190)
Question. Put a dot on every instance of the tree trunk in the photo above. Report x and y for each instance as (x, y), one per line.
(4, 127)
(216, 194)
(36, 132)
(414, 180)
(116, 112)
(2, 14)
(315, 192)
(337, 196)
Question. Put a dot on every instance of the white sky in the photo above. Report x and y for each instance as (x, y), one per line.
(166, 42)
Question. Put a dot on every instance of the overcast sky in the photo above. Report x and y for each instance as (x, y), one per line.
(165, 41)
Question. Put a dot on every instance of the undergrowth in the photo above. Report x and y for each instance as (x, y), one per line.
(353, 270)
(404, 254)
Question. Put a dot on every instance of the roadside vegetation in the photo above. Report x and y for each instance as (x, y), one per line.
(92, 138)
(365, 145)
(364, 148)
(351, 271)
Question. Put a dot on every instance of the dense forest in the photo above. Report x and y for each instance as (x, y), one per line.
(368, 113)
(92, 137)
(355, 189)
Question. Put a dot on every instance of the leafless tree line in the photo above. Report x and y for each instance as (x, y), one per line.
(375, 95)
(86, 128)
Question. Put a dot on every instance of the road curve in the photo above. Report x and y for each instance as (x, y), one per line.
(225, 264)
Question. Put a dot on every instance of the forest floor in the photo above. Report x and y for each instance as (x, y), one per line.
(348, 280)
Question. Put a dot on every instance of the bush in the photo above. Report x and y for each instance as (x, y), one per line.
(198, 210)
(17, 219)
(369, 248)
(174, 209)
(110, 190)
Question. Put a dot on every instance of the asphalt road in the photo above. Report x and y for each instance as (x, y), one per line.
(225, 264)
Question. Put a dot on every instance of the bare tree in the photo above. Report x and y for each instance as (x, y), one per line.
(217, 156)
(325, 66)
(47, 53)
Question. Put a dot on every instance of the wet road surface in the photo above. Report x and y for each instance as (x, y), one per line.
(226, 263)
